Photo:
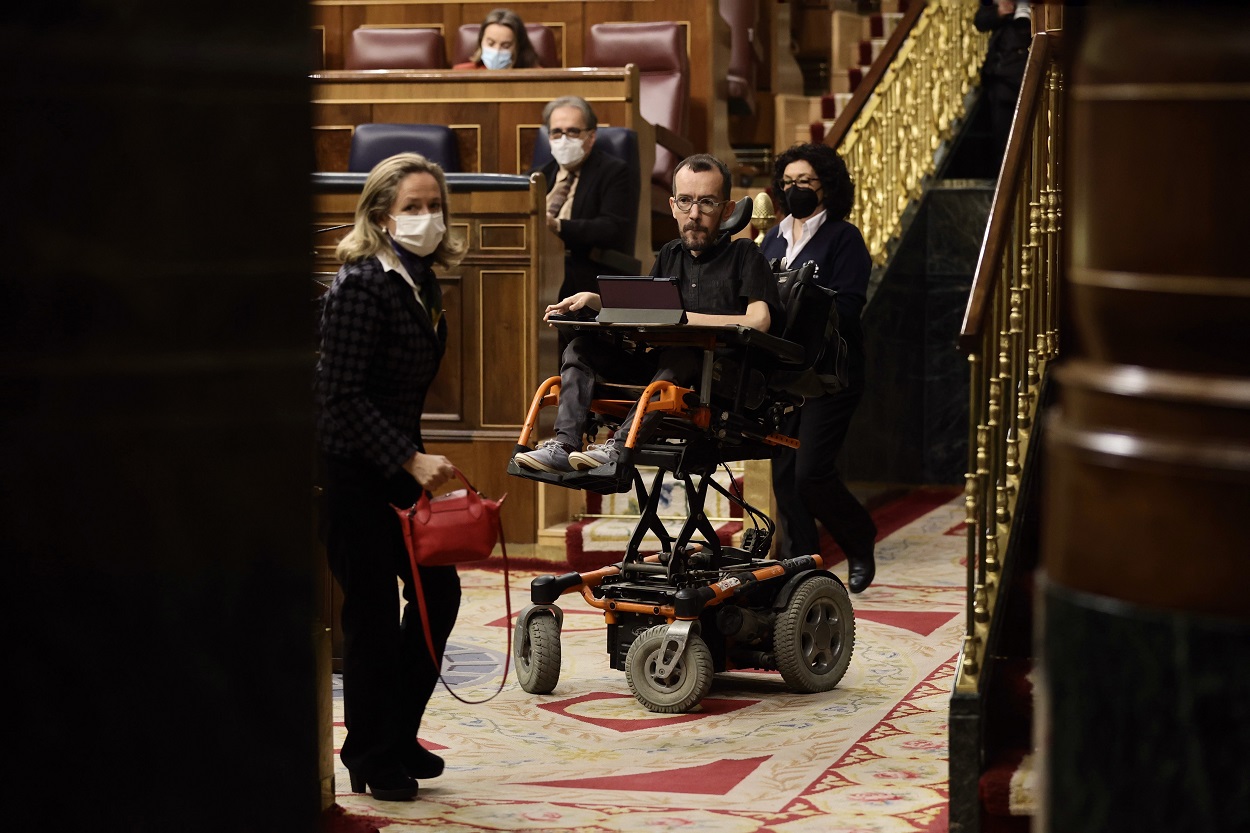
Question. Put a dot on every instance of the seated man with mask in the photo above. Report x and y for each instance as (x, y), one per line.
(591, 202)
(723, 281)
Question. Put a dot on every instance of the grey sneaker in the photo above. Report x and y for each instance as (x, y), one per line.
(595, 455)
(551, 455)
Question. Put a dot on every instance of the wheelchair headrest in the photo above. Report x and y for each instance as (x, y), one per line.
(740, 217)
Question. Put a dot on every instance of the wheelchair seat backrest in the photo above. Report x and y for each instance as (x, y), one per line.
(812, 323)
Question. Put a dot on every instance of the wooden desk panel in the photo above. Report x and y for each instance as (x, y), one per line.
(492, 117)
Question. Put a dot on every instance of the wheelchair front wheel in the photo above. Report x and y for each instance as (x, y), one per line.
(681, 690)
(536, 654)
(815, 636)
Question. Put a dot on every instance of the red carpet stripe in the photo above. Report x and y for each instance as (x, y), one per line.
(709, 779)
(921, 622)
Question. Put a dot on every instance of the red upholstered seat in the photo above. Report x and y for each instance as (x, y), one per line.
(659, 51)
(541, 38)
(396, 48)
(743, 17)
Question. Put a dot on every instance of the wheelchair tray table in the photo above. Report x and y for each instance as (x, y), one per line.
(708, 337)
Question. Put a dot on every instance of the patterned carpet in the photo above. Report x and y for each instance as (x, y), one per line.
(871, 755)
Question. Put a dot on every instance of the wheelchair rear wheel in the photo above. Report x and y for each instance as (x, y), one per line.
(680, 691)
(815, 636)
(536, 653)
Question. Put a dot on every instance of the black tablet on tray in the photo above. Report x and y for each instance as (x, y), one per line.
(640, 299)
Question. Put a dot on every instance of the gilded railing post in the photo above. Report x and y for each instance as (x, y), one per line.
(1010, 335)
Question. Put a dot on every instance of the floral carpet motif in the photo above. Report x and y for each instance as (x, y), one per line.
(868, 757)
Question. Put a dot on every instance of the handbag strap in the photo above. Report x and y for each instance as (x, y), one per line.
(425, 619)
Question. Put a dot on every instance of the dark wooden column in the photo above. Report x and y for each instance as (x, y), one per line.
(1144, 716)
(155, 417)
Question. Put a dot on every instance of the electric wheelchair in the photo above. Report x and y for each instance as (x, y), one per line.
(697, 607)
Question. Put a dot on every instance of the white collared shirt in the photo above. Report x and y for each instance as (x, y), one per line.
(392, 263)
(810, 226)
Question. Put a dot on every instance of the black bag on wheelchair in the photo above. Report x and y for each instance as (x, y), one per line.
(812, 322)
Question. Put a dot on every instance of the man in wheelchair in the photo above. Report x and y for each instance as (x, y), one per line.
(723, 281)
(697, 607)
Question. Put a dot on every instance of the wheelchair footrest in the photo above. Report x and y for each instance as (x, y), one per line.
(605, 480)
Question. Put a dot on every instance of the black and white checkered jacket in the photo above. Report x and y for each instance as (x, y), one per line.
(379, 355)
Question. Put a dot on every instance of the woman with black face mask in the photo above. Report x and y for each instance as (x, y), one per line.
(813, 187)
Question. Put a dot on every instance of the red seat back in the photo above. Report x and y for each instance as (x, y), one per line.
(743, 17)
(541, 38)
(659, 50)
(396, 48)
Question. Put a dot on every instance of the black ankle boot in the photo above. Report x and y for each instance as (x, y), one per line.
(420, 763)
(386, 786)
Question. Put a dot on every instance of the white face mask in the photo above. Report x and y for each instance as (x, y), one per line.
(496, 58)
(419, 233)
(567, 150)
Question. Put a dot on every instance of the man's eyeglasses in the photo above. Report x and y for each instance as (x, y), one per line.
(803, 182)
(706, 205)
(571, 132)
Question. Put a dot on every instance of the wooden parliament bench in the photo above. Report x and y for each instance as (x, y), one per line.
(494, 115)
(707, 40)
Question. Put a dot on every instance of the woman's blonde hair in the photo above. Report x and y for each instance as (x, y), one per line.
(368, 237)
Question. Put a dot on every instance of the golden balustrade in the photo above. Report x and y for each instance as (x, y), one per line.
(902, 112)
(1010, 334)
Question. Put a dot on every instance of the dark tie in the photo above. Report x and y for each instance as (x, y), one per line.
(559, 193)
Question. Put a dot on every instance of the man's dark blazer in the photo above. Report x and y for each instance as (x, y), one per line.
(605, 208)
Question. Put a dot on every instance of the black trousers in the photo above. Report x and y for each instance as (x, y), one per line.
(388, 674)
(808, 486)
(587, 357)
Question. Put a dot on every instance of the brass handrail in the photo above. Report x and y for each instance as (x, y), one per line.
(906, 107)
(1010, 334)
(868, 84)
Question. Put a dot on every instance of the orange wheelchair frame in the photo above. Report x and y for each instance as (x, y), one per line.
(677, 617)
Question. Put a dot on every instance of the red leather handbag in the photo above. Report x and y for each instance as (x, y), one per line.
(454, 528)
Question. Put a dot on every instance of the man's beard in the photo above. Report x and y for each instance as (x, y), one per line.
(690, 238)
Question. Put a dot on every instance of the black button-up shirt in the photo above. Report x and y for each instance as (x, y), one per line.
(722, 280)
